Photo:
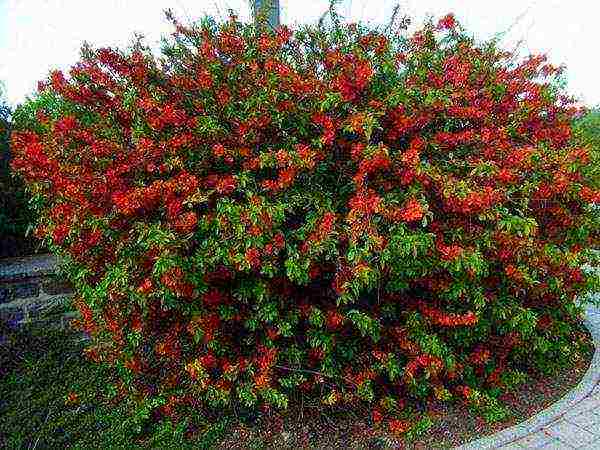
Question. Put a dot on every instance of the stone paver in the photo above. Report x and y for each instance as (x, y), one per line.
(534, 441)
(589, 422)
(570, 434)
(593, 446)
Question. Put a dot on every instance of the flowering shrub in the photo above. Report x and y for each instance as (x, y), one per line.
(341, 212)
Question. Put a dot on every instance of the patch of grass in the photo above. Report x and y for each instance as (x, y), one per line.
(40, 369)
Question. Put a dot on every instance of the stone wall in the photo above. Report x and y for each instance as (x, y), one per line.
(32, 291)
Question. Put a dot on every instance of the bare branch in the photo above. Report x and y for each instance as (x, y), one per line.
(314, 372)
(329, 11)
(518, 19)
(393, 18)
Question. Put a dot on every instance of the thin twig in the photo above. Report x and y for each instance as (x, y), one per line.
(329, 10)
(393, 18)
(291, 369)
(518, 19)
(39, 433)
(187, 15)
(314, 372)
(219, 12)
(301, 408)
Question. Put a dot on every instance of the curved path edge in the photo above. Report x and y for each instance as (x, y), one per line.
(588, 388)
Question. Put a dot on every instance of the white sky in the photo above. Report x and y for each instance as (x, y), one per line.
(39, 35)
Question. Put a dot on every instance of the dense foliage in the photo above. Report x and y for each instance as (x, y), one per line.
(587, 131)
(16, 217)
(336, 212)
(588, 126)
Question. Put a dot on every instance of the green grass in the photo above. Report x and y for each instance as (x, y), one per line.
(37, 371)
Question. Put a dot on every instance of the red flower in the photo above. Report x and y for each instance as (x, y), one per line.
(513, 273)
(253, 257)
(545, 322)
(136, 322)
(72, 398)
(279, 240)
(218, 150)
(314, 271)
(60, 233)
(272, 333)
(480, 356)
(448, 319)
(208, 361)
(145, 287)
(173, 279)
(447, 22)
(283, 35)
(412, 211)
(134, 365)
(316, 354)
(204, 79)
(398, 426)
(186, 223)
(465, 391)
(226, 185)
(213, 298)
(449, 252)
(334, 320)
(223, 96)
(376, 416)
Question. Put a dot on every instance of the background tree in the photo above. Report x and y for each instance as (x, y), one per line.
(269, 8)
(587, 130)
(15, 214)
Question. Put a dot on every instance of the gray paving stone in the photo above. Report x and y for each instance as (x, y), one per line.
(535, 440)
(47, 305)
(555, 444)
(570, 434)
(56, 287)
(588, 421)
(596, 393)
(593, 446)
(590, 402)
(46, 324)
(582, 407)
(593, 402)
(554, 420)
(513, 446)
(12, 316)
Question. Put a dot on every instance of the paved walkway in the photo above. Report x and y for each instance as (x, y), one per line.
(579, 428)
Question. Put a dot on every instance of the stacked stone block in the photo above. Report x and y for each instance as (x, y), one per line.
(33, 292)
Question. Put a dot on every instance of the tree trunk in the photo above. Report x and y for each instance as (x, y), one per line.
(272, 11)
